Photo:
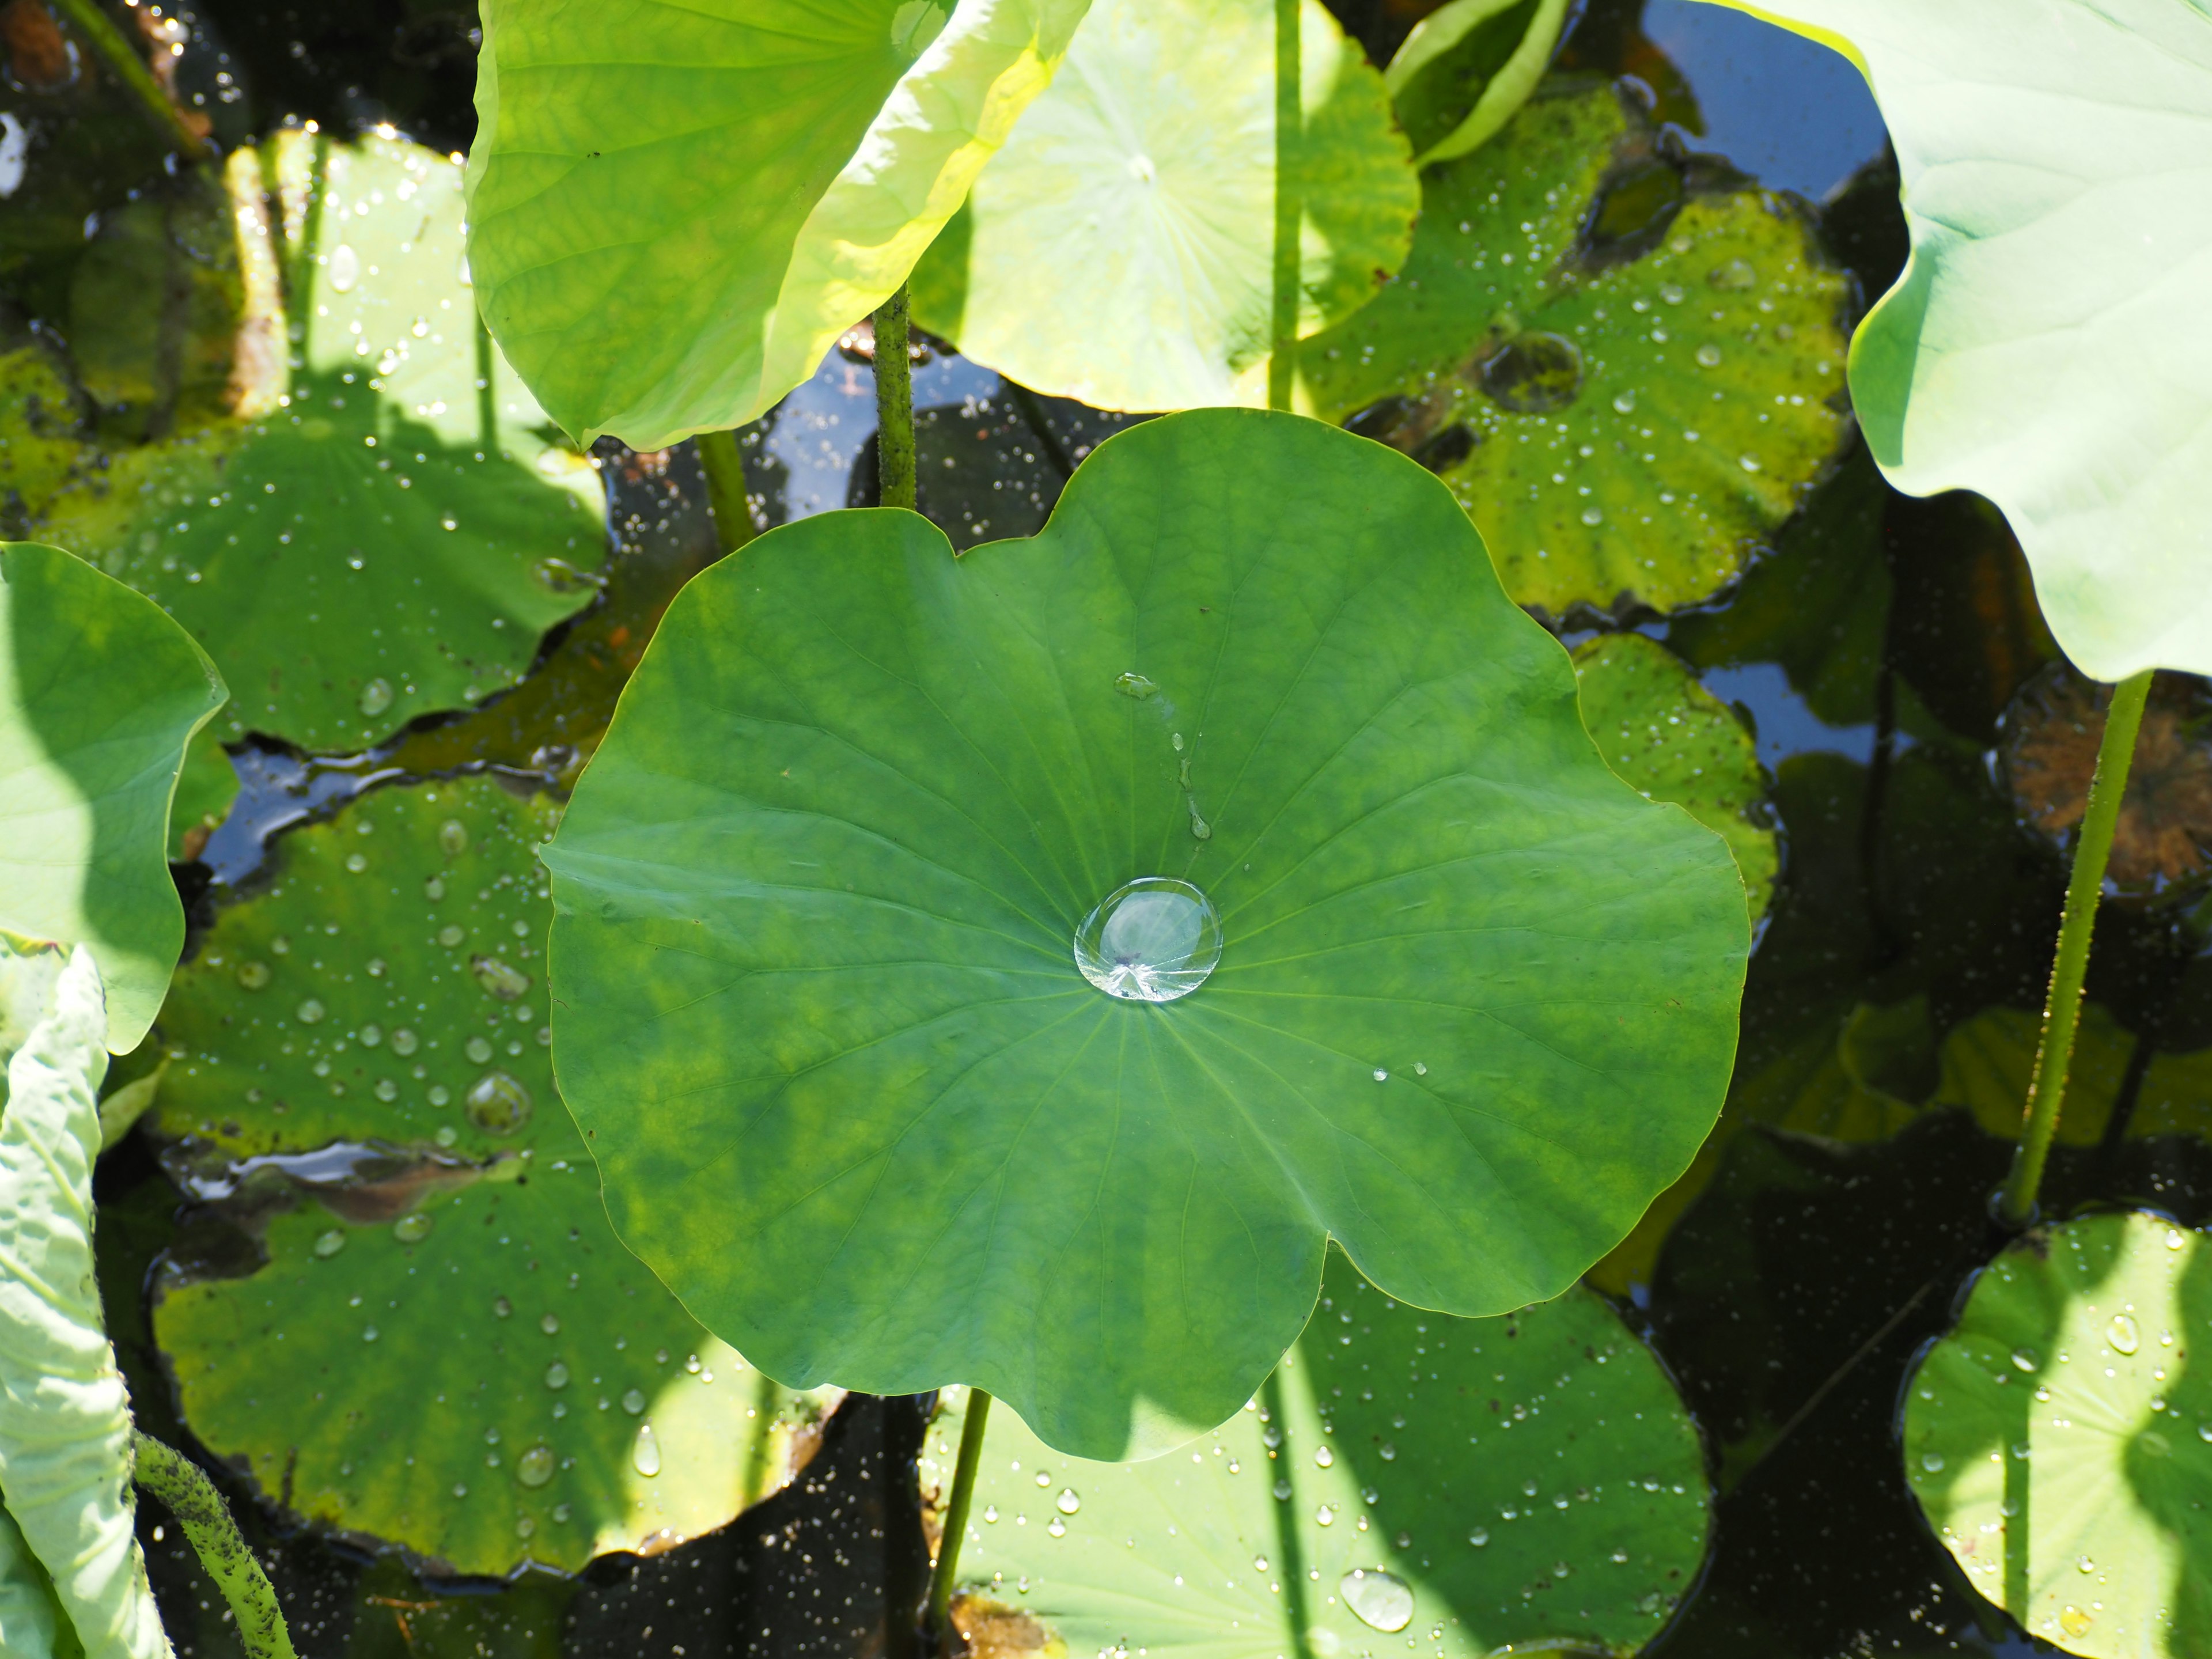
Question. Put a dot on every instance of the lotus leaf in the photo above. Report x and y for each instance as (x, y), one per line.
(394, 538)
(674, 212)
(1467, 67)
(816, 1006)
(1988, 1060)
(444, 1347)
(2056, 1436)
(1628, 383)
(1120, 249)
(2045, 344)
(99, 693)
(1674, 741)
(38, 433)
(1530, 1481)
(32, 1622)
(64, 1413)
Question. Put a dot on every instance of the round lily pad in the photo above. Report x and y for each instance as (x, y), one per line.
(1628, 376)
(2057, 1437)
(392, 537)
(1120, 250)
(1674, 741)
(675, 211)
(444, 1346)
(99, 694)
(1479, 1486)
(817, 1008)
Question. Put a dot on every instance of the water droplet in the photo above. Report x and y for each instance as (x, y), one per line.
(634, 1401)
(1710, 354)
(434, 890)
(1283, 1488)
(345, 269)
(452, 935)
(1067, 1502)
(645, 1451)
(2026, 1360)
(1152, 940)
(1134, 684)
(1624, 404)
(368, 1333)
(506, 982)
(1389, 1451)
(1420, 1069)
(1259, 1564)
(1324, 1516)
(1380, 1600)
(1323, 1457)
(329, 1243)
(2074, 1622)
(453, 838)
(2122, 1334)
(551, 1324)
(1382, 1076)
(412, 1228)
(310, 1012)
(535, 1467)
(1592, 515)
(1748, 463)
(2083, 1564)
(477, 1049)
(376, 696)
(253, 974)
(1932, 1462)
(502, 1307)
(497, 1103)
(1478, 1537)
(1672, 293)
(404, 1042)
(991, 1514)
(556, 1376)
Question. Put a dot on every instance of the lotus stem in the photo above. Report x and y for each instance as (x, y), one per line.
(1289, 206)
(107, 40)
(190, 1496)
(955, 1506)
(725, 489)
(894, 403)
(2061, 1008)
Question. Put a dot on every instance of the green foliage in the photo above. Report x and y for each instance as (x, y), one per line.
(64, 1413)
(99, 694)
(2044, 344)
(673, 213)
(1988, 1060)
(816, 897)
(2056, 1438)
(1526, 1481)
(443, 1346)
(393, 534)
(1467, 67)
(1672, 740)
(1120, 249)
(32, 1622)
(1627, 381)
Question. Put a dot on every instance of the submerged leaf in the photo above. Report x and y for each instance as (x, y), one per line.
(675, 211)
(99, 694)
(1120, 250)
(819, 1009)
(64, 1413)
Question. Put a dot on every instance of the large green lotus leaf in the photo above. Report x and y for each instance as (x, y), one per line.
(674, 212)
(446, 1347)
(64, 1413)
(2045, 344)
(2057, 1438)
(1624, 430)
(99, 693)
(1138, 196)
(1531, 1481)
(1674, 741)
(394, 534)
(816, 1008)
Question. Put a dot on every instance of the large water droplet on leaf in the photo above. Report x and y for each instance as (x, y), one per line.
(1379, 1599)
(535, 1467)
(645, 1452)
(1152, 940)
(498, 1105)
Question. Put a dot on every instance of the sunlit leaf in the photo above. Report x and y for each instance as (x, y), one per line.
(1466, 66)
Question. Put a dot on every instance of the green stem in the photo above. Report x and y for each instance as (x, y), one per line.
(726, 488)
(107, 40)
(1289, 206)
(955, 1506)
(2062, 1009)
(894, 403)
(199, 1509)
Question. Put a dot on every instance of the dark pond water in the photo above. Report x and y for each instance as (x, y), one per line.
(1873, 651)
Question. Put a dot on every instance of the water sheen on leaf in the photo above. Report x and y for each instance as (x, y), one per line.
(817, 1010)
(1120, 249)
(2057, 1437)
(1492, 1484)
(99, 693)
(1626, 380)
(675, 211)
(442, 1346)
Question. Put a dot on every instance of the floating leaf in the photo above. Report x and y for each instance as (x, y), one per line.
(1988, 1060)
(817, 902)
(2044, 345)
(2057, 1438)
(64, 1413)
(396, 536)
(444, 1346)
(1672, 740)
(673, 213)
(99, 694)
(38, 433)
(1466, 66)
(1625, 375)
(1494, 1484)
(1139, 196)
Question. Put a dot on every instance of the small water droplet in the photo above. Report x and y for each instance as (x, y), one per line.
(1382, 1076)
(368, 1333)
(1068, 1502)
(1420, 1069)
(477, 1049)
(1932, 1462)
(1324, 1516)
(1152, 940)
(452, 935)
(345, 268)
(1134, 684)
(404, 1042)
(1283, 1488)
(376, 696)
(551, 1324)
(453, 838)
(645, 1451)
(557, 1375)
(634, 1401)
(329, 1243)
(1592, 516)
(1748, 463)
(1624, 404)
(1380, 1600)
(1710, 354)
(2123, 1333)
(412, 1228)
(310, 1012)
(1323, 1457)
(502, 1307)
(1389, 1452)
(503, 980)
(2083, 1564)
(991, 1514)
(1259, 1564)
(253, 974)
(535, 1467)
(434, 890)
(498, 1105)
(2074, 1622)
(2026, 1360)
(1478, 1537)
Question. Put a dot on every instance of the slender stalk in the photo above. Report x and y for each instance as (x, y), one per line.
(956, 1507)
(726, 488)
(199, 1509)
(107, 40)
(1289, 206)
(2061, 1008)
(894, 403)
